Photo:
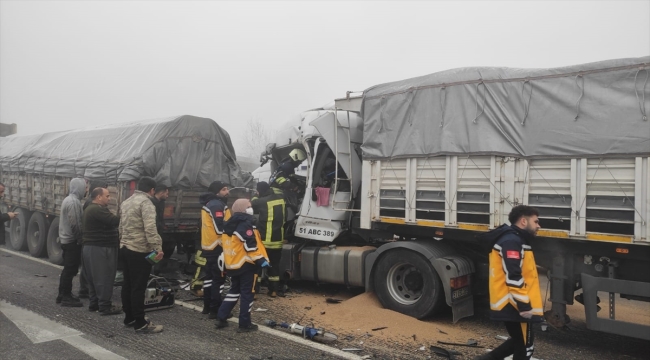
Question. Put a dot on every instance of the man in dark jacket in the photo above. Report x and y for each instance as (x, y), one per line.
(213, 215)
(4, 217)
(271, 208)
(515, 297)
(100, 248)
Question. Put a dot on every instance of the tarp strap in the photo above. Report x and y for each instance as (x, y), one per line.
(526, 103)
(582, 92)
(443, 98)
(381, 114)
(636, 91)
(477, 100)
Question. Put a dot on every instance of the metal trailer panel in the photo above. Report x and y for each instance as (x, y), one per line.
(593, 199)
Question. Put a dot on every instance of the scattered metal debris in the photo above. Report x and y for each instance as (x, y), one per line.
(470, 343)
(449, 354)
(442, 332)
(261, 310)
(501, 337)
(380, 328)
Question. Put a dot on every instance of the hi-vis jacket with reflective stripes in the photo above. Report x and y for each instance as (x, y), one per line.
(213, 215)
(514, 285)
(242, 244)
(272, 209)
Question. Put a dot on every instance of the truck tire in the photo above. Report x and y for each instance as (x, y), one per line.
(406, 282)
(54, 251)
(18, 229)
(37, 234)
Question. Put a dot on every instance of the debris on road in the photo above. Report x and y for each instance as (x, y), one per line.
(40, 275)
(261, 310)
(352, 349)
(307, 307)
(442, 332)
(501, 337)
(322, 312)
(449, 354)
(380, 328)
(333, 301)
(306, 331)
(470, 343)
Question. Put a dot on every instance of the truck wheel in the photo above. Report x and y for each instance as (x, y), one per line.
(406, 282)
(54, 251)
(18, 229)
(37, 235)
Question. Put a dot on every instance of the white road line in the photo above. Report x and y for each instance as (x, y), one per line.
(264, 329)
(284, 335)
(40, 329)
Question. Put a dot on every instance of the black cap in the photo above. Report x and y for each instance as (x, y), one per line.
(216, 186)
(262, 187)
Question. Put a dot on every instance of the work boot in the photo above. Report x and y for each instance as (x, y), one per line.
(245, 329)
(59, 298)
(213, 313)
(93, 308)
(206, 309)
(113, 310)
(221, 323)
(149, 328)
(70, 301)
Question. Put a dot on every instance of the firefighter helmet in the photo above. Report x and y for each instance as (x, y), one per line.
(297, 155)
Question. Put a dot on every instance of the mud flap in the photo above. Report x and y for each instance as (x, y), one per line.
(450, 267)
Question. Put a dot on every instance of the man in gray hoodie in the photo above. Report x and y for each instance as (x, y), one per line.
(70, 236)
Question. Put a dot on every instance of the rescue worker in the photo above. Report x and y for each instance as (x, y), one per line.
(283, 178)
(213, 215)
(243, 254)
(271, 208)
(515, 297)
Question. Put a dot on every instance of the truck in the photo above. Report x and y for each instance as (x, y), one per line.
(185, 153)
(426, 165)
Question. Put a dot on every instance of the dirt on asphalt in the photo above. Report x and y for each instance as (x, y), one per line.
(397, 336)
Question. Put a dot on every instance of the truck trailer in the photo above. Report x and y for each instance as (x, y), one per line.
(427, 164)
(185, 153)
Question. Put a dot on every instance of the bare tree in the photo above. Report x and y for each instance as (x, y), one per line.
(256, 138)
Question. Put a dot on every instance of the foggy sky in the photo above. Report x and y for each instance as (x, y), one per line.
(74, 64)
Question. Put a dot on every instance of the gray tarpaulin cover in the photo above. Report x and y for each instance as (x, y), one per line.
(590, 110)
(185, 152)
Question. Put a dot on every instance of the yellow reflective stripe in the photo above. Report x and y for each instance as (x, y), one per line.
(274, 278)
(269, 221)
(272, 244)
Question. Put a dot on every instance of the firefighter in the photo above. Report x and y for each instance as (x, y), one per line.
(271, 208)
(284, 178)
(243, 254)
(213, 215)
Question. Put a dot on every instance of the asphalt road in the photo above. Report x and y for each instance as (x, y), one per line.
(34, 327)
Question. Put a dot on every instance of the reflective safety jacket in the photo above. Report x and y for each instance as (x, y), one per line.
(242, 245)
(514, 285)
(272, 209)
(213, 215)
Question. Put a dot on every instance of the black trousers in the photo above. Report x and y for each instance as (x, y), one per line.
(136, 275)
(212, 284)
(241, 286)
(520, 345)
(71, 261)
(274, 271)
